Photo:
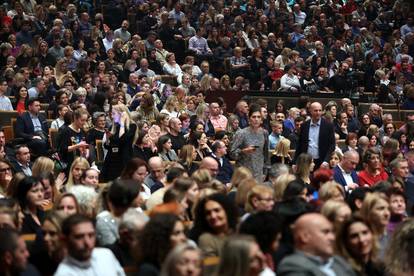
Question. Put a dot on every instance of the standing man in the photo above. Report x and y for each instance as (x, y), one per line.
(79, 237)
(317, 137)
(122, 32)
(218, 120)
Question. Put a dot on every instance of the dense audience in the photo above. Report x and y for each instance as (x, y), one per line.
(128, 146)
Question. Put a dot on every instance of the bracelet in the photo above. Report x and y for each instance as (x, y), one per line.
(121, 125)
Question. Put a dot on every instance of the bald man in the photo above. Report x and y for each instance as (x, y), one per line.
(317, 137)
(314, 241)
(157, 172)
(345, 173)
(210, 164)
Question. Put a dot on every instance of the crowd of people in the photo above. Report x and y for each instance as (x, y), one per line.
(132, 151)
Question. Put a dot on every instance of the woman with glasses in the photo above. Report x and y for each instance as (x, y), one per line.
(6, 175)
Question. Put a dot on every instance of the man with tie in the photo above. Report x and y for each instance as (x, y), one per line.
(317, 137)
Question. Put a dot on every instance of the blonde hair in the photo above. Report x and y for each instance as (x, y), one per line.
(42, 164)
(282, 149)
(186, 154)
(280, 185)
(370, 200)
(79, 161)
(245, 186)
(327, 190)
(330, 209)
(202, 177)
(239, 174)
(257, 191)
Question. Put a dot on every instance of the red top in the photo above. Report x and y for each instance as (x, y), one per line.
(364, 178)
(20, 107)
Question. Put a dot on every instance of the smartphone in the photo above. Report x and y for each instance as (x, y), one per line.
(256, 147)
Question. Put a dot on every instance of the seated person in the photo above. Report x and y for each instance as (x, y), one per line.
(32, 126)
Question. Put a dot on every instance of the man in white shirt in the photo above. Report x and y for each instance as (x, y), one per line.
(79, 237)
(5, 103)
(344, 172)
(299, 15)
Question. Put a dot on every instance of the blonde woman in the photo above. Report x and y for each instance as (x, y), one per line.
(239, 175)
(375, 211)
(283, 58)
(281, 153)
(259, 198)
(331, 190)
(280, 185)
(336, 212)
(119, 143)
(44, 165)
(186, 159)
(171, 107)
(79, 165)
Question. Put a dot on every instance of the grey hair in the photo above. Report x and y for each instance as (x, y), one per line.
(86, 197)
(132, 219)
(278, 169)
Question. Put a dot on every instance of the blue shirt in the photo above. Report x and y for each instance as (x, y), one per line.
(313, 147)
(274, 139)
(37, 125)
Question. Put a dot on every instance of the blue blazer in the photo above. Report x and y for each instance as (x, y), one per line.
(338, 177)
(25, 129)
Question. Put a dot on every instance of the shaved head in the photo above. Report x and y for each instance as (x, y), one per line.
(313, 234)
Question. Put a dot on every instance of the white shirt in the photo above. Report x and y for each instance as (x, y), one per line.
(102, 262)
(287, 81)
(5, 104)
(313, 147)
(347, 176)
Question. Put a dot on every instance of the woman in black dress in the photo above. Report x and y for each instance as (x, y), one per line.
(71, 141)
(119, 143)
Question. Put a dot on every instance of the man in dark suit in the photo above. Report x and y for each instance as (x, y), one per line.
(22, 161)
(345, 173)
(33, 128)
(314, 241)
(225, 172)
(317, 137)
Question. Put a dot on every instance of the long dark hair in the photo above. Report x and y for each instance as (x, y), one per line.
(200, 222)
(154, 240)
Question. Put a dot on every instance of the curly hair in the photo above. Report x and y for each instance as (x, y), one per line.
(201, 224)
(154, 241)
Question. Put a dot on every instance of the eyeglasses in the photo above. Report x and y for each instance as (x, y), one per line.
(5, 170)
(266, 199)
